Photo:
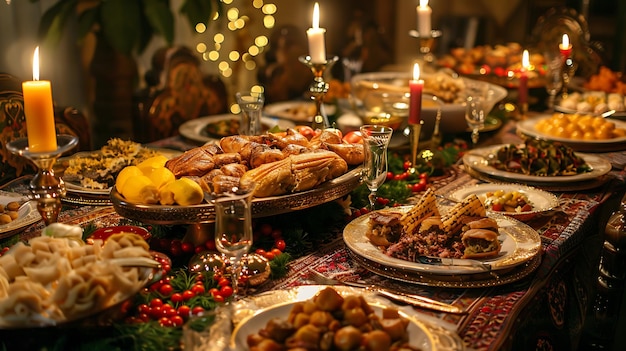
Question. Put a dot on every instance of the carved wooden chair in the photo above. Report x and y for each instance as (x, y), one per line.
(13, 125)
(177, 91)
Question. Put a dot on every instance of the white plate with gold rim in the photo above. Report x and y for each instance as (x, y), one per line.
(540, 200)
(27, 213)
(478, 160)
(519, 243)
(256, 311)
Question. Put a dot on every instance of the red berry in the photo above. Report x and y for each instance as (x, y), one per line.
(187, 247)
(184, 311)
(177, 321)
(176, 297)
(198, 289)
(156, 302)
(197, 310)
(280, 244)
(165, 322)
(188, 294)
(226, 291)
(166, 289)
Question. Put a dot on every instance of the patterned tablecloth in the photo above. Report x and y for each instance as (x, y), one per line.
(542, 311)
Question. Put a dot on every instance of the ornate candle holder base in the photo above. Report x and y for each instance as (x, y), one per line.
(426, 44)
(319, 88)
(46, 188)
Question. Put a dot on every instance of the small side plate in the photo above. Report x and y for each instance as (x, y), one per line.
(541, 201)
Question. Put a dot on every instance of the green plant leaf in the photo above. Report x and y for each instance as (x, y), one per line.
(53, 22)
(160, 18)
(198, 11)
(86, 21)
(121, 24)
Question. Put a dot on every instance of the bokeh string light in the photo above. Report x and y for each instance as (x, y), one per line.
(237, 44)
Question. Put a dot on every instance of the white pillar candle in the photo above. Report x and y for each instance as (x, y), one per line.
(315, 34)
(423, 19)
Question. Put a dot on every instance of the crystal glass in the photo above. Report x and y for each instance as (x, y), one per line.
(375, 140)
(475, 115)
(251, 105)
(554, 82)
(233, 227)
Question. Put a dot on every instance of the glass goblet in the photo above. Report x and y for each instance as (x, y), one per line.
(554, 81)
(233, 228)
(375, 142)
(475, 116)
(251, 105)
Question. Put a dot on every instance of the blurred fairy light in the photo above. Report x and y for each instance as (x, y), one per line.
(236, 20)
(200, 28)
(201, 47)
(269, 9)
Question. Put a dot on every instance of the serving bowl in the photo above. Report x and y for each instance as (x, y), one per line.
(449, 92)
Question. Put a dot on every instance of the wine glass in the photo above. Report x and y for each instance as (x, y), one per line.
(251, 105)
(554, 81)
(475, 115)
(375, 142)
(233, 227)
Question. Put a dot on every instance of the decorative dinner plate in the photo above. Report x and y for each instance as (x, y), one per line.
(527, 127)
(196, 129)
(611, 114)
(27, 214)
(297, 111)
(478, 160)
(78, 194)
(261, 207)
(253, 313)
(541, 201)
(519, 243)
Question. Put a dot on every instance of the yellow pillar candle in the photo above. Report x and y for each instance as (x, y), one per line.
(38, 108)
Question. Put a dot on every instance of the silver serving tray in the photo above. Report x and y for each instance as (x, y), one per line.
(261, 207)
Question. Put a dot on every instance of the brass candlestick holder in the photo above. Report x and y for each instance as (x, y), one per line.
(319, 88)
(414, 138)
(46, 187)
(426, 44)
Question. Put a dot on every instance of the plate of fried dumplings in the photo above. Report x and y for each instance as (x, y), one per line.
(463, 239)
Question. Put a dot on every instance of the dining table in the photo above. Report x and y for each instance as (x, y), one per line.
(543, 308)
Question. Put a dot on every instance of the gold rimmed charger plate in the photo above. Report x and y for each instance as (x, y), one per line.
(519, 244)
(253, 313)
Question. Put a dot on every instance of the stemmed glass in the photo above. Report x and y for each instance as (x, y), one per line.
(251, 104)
(475, 116)
(233, 227)
(554, 81)
(375, 142)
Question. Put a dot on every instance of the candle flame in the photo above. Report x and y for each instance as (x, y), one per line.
(565, 41)
(36, 64)
(316, 16)
(416, 71)
(423, 3)
(525, 59)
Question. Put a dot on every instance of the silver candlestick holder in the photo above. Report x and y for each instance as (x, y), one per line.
(46, 187)
(426, 44)
(318, 88)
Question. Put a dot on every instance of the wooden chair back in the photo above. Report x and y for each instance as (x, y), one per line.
(180, 93)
